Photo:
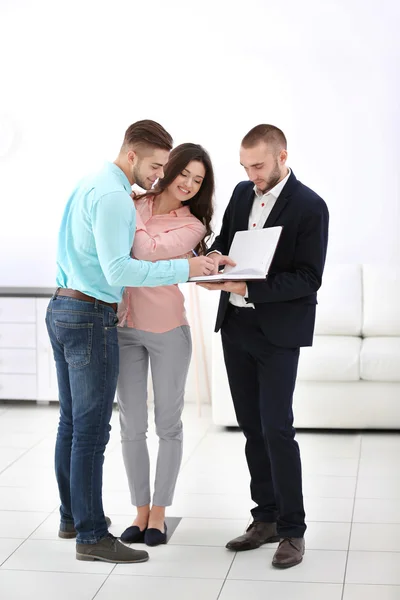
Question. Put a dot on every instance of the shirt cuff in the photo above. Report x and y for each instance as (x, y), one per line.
(181, 269)
(214, 251)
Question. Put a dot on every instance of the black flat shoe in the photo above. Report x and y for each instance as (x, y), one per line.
(133, 535)
(155, 537)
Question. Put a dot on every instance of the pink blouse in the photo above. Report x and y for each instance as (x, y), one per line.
(159, 237)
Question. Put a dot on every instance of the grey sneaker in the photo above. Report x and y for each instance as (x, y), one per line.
(67, 531)
(110, 549)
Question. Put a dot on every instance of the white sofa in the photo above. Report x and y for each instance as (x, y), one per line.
(350, 377)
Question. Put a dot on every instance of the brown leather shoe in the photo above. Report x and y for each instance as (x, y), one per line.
(257, 534)
(290, 553)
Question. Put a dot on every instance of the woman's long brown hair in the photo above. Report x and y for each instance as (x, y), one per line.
(201, 205)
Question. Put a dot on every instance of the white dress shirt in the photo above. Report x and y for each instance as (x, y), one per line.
(260, 211)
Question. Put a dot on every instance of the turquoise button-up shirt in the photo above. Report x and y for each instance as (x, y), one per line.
(96, 237)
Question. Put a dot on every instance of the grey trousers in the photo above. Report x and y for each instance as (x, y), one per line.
(169, 355)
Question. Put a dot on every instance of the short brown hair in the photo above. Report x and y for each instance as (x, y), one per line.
(269, 134)
(147, 133)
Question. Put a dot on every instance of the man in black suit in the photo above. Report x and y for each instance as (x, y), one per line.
(263, 325)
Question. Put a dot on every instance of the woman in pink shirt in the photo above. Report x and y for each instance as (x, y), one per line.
(173, 221)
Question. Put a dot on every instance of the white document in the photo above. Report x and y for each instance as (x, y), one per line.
(252, 251)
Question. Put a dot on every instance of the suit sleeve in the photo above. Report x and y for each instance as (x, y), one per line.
(310, 254)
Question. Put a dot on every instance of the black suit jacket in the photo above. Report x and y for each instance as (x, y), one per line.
(285, 302)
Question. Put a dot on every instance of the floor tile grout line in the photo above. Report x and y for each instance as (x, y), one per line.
(116, 574)
(2, 569)
(377, 585)
(184, 464)
(317, 582)
(227, 575)
(352, 519)
(104, 582)
(23, 454)
(209, 546)
(38, 527)
(221, 589)
(25, 510)
(294, 581)
(12, 553)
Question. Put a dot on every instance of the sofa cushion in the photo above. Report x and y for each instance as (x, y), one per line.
(331, 358)
(339, 310)
(381, 285)
(380, 359)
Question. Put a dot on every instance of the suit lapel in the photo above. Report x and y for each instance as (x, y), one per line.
(283, 199)
(245, 204)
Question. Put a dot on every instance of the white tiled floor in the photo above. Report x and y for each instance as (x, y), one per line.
(352, 500)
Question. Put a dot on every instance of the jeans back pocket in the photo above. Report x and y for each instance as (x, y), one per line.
(77, 340)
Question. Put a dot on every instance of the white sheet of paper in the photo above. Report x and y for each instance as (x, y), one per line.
(252, 251)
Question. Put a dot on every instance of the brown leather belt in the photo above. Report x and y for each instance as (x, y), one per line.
(81, 296)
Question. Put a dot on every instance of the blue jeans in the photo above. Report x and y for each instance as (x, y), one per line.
(85, 346)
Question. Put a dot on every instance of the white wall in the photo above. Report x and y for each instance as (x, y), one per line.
(76, 74)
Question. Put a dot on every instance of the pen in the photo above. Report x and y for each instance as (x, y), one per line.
(195, 253)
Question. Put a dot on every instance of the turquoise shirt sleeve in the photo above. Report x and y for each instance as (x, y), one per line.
(114, 225)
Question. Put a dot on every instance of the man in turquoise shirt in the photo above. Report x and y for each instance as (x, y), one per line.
(96, 237)
(94, 265)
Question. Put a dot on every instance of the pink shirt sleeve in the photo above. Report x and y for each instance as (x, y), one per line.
(139, 222)
(169, 244)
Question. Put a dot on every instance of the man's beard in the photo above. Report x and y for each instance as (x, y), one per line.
(272, 180)
(137, 178)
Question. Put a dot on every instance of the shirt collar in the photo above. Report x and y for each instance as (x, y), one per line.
(182, 211)
(121, 176)
(276, 190)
